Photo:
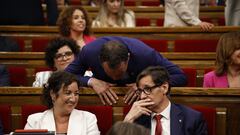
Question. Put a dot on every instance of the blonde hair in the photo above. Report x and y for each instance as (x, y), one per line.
(227, 44)
(102, 16)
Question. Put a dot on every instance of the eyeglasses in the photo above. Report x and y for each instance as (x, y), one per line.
(61, 56)
(146, 90)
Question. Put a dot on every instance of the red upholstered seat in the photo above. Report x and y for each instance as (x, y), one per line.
(158, 45)
(209, 114)
(39, 45)
(191, 74)
(150, 2)
(103, 114)
(195, 45)
(75, 2)
(160, 22)
(18, 76)
(143, 22)
(129, 3)
(21, 44)
(5, 116)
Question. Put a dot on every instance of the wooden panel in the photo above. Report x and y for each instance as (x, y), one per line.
(226, 101)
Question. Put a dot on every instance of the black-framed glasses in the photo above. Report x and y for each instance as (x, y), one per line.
(60, 56)
(146, 90)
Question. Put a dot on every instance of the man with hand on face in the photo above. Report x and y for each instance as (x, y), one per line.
(155, 111)
(117, 61)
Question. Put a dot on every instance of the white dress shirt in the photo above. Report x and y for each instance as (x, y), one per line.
(165, 121)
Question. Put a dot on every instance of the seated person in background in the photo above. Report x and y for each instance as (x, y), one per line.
(4, 76)
(117, 61)
(61, 94)
(227, 72)
(184, 13)
(7, 44)
(126, 128)
(73, 23)
(113, 14)
(155, 111)
(27, 12)
(59, 53)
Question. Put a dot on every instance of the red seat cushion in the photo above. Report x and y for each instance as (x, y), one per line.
(195, 45)
(191, 74)
(39, 45)
(160, 22)
(21, 44)
(143, 22)
(129, 3)
(75, 2)
(209, 114)
(103, 114)
(5, 116)
(18, 76)
(158, 45)
(150, 2)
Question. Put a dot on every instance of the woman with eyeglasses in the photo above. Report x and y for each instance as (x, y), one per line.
(61, 95)
(59, 53)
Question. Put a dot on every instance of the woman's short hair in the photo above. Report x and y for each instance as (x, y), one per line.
(64, 21)
(227, 44)
(56, 44)
(125, 128)
(58, 80)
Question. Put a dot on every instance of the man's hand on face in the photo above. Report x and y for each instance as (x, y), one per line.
(131, 96)
(138, 108)
(106, 94)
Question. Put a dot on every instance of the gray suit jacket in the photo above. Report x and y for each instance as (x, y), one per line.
(181, 13)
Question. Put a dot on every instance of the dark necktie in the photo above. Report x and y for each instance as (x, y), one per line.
(158, 130)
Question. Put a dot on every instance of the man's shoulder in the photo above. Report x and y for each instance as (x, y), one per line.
(187, 111)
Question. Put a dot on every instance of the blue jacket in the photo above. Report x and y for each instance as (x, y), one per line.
(141, 56)
(183, 121)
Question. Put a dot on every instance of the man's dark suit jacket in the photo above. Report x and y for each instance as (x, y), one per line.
(141, 56)
(183, 121)
(27, 12)
(4, 76)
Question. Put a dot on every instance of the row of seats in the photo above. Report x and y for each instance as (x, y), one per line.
(189, 45)
(126, 2)
(103, 114)
(20, 77)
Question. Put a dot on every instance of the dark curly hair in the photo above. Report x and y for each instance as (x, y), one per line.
(56, 44)
(113, 52)
(158, 74)
(56, 81)
(64, 21)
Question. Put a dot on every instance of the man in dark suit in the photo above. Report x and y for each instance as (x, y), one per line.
(4, 76)
(155, 111)
(118, 61)
(27, 12)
